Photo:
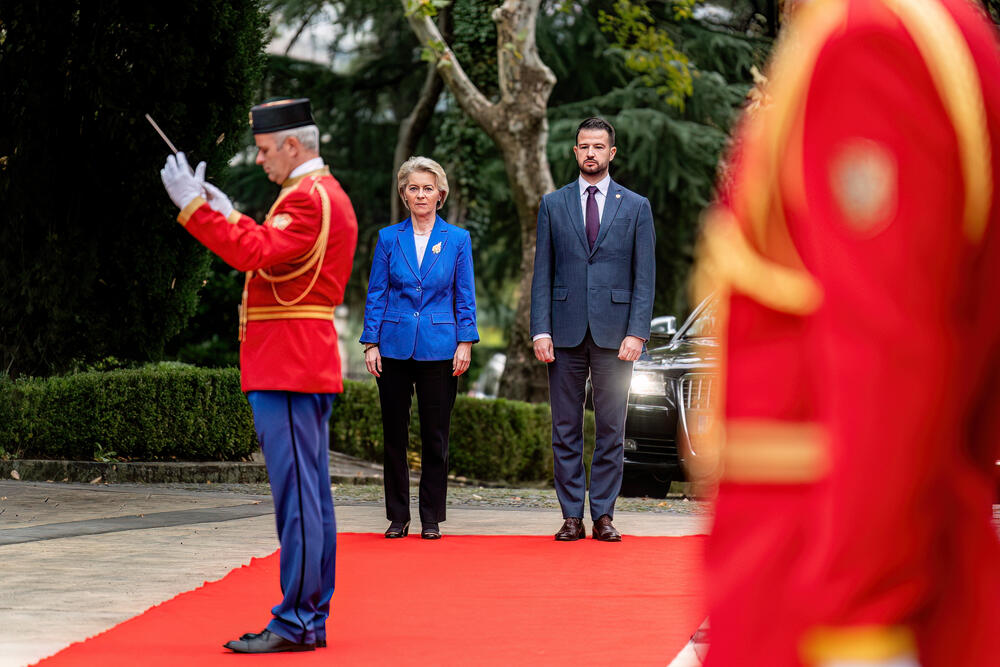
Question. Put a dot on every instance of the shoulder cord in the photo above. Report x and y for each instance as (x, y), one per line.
(313, 259)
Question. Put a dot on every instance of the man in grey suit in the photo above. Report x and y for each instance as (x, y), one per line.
(591, 304)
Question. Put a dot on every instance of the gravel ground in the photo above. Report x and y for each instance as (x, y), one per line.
(469, 496)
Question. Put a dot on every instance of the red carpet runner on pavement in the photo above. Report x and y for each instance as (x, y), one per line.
(463, 600)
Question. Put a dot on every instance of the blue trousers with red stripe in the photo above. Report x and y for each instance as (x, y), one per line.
(293, 430)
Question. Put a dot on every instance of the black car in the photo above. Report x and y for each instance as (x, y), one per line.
(674, 385)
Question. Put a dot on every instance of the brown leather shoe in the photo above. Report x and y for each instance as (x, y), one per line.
(605, 531)
(572, 530)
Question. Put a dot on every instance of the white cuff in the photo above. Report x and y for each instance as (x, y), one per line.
(540, 336)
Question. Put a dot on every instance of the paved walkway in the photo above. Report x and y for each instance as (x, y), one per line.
(77, 559)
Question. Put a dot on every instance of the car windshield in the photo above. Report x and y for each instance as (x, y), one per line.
(705, 323)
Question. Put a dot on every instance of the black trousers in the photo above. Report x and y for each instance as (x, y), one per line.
(436, 388)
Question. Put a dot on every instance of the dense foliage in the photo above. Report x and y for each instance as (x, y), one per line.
(92, 262)
(668, 151)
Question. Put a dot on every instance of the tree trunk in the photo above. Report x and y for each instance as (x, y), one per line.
(517, 124)
(414, 125)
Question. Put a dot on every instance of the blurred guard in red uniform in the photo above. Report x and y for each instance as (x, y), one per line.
(856, 254)
(297, 266)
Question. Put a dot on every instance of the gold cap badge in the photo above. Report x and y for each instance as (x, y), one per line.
(863, 179)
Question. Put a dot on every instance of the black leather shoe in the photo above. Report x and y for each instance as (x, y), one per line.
(266, 642)
(572, 530)
(320, 643)
(397, 529)
(430, 531)
(605, 531)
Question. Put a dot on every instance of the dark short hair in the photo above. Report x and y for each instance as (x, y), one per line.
(596, 123)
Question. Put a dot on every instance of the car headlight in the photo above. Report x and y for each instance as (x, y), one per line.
(648, 384)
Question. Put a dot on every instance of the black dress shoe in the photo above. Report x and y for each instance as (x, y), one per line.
(605, 531)
(572, 530)
(320, 643)
(266, 642)
(430, 531)
(397, 529)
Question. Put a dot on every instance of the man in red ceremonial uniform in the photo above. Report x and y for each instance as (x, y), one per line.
(857, 254)
(297, 263)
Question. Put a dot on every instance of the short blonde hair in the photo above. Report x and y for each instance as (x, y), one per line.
(427, 165)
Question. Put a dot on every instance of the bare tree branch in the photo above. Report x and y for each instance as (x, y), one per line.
(519, 127)
(302, 26)
(414, 125)
(469, 97)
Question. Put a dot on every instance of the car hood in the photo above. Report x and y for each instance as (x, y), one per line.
(681, 354)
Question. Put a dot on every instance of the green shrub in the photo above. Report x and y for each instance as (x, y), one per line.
(153, 413)
(173, 411)
(490, 439)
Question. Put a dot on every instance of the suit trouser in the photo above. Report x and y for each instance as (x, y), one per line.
(436, 388)
(294, 434)
(610, 378)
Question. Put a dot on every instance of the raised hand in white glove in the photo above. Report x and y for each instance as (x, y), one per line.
(218, 200)
(182, 185)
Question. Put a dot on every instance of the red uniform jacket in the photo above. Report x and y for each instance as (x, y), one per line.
(858, 255)
(297, 265)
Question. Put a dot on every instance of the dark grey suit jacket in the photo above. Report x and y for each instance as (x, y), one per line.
(609, 288)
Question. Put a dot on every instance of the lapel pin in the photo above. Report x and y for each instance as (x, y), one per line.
(618, 196)
(437, 248)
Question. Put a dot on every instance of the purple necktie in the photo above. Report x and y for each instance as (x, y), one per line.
(593, 216)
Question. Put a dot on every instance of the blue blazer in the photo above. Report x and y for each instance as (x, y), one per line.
(608, 289)
(421, 312)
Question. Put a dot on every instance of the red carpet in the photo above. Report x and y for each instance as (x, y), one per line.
(466, 600)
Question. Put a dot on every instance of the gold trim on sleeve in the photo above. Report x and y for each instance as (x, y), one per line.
(292, 182)
(234, 216)
(725, 258)
(868, 643)
(189, 210)
(953, 70)
(774, 452)
(774, 144)
(305, 312)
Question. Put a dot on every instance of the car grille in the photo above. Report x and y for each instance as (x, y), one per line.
(698, 390)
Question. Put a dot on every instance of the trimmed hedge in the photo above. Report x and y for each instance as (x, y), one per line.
(173, 411)
(490, 439)
(158, 412)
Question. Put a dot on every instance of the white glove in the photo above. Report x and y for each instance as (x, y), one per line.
(218, 200)
(182, 185)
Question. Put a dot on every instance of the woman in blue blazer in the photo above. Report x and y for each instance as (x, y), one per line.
(420, 324)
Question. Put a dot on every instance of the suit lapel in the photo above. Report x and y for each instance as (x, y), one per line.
(611, 204)
(406, 245)
(438, 236)
(572, 199)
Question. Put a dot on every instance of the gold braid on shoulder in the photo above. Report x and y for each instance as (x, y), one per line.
(312, 260)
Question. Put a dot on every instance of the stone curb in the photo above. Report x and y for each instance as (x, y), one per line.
(154, 472)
